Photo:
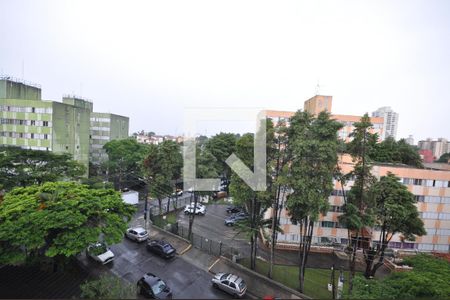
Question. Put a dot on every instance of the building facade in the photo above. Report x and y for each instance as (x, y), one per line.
(69, 126)
(390, 124)
(105, 127)
(437, 147)
(320, 103)
(28, 121)
(431, 189)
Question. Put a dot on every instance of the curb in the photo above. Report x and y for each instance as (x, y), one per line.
(186, 250)
(210, 267)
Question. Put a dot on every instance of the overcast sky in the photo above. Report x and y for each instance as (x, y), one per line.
(150, 60)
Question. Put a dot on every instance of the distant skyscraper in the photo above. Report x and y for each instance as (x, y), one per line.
(390, 121)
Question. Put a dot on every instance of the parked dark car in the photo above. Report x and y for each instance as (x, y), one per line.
(161, 248)
(233, 209)
(231, 220)
(151, 286)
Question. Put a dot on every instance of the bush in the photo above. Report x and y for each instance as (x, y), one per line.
(108, 287)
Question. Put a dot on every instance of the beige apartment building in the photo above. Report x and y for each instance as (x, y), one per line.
(319, 103)
(431, 189)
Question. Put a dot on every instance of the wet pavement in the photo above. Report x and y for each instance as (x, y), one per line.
(132, 260)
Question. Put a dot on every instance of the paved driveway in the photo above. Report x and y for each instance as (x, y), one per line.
(211, 226)
(132, 260)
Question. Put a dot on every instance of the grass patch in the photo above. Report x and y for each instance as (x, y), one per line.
(316, 280)
(163, 220)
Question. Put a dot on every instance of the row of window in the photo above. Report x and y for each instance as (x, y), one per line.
(336, 208)
(105, 120)
(25, 122)
(434, 231)
(100, 137)
(434, 215)
(100, 128)
(27, 109)
(26, 135)
(432, 199)
(344, 241)
(426, 182)
(330, 224)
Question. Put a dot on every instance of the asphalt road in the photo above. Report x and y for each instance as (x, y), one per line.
(132, 260)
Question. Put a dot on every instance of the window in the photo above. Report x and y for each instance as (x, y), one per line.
(33, 122)
(444, 216)
(32, 136)
(45, 123)
(417, 181)
(419, 198)
(327, 224)
(429, 215)
(45, 136)
(441, 247)
(33, 109)
(407, 180)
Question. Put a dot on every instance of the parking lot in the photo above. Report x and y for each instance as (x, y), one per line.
(132, 260)
(211, 226)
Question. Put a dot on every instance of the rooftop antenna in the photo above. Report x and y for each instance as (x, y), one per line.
(23, 69)
(317, 87)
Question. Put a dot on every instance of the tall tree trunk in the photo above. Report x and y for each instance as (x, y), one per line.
(352, 262)
(304, 248)
(274, 232)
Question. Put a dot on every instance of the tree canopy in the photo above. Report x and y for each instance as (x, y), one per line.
(444, 158)
(394, 212)
(428, 279)
(58, 219)
(23, 167)
(221, 146)
(391, 151)
(125, 160)
(312, 146)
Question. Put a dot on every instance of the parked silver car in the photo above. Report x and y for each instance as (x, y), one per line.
(230, 283)
(137, 234)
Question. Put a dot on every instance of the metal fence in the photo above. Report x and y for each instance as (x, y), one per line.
(168, 206)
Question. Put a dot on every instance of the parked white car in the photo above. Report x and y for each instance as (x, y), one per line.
(199, 210)
(137, 234)
(100, 253)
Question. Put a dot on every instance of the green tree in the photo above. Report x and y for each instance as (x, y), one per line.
(162, 166)
(428, 279)
(58, 220)
(255, 202)
(358, 213)
(222, 145)
(23, 167)
(108, 287)
(395, 212)
(124, 161)
(313, 146)
(444, 158)
(390, 151)
(280, 164)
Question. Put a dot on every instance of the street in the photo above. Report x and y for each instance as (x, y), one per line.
(132, 260)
